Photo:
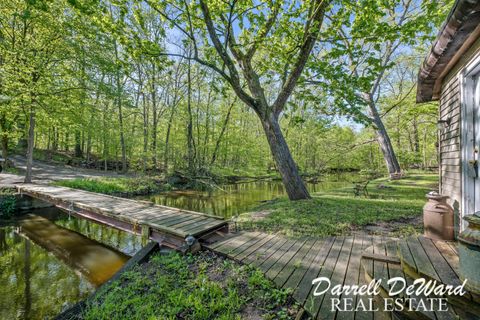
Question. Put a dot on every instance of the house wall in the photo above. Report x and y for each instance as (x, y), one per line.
(450, 138)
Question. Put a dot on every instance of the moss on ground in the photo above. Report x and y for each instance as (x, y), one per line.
(200, 286)
(340, 212)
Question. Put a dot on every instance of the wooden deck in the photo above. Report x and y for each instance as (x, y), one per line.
(170, 226)
(421, 257)
(295, 263)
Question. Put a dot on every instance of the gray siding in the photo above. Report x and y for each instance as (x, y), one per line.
(449, 143)
(450, 160)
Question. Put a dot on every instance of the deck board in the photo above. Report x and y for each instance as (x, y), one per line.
(352, 275)
(338, 276)
(294, 263)
(242, 255)
(258, 257)
(299, 272)
(444, 271)
(432, 260)
(424, 265)
(368, 267)
(326, 271)
(277, 255)
(285, 259)
(305, 286)
(381, 270)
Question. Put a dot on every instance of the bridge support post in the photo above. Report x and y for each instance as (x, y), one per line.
(145, 234)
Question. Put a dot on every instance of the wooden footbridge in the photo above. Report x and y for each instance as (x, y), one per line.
(169, 226)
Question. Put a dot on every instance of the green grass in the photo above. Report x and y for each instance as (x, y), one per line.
(200, 286)
(12, 170)
(126, 186)
(339, 212)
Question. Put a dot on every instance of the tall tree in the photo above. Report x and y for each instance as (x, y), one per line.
(33, 50)
(366, 38)
(253, 43)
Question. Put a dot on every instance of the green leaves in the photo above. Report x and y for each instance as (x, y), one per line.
(361, 43)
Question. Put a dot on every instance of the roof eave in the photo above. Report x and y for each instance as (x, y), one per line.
(450, 44)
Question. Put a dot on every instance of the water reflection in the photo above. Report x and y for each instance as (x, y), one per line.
(45, 264)
(237, 198)
(96, 262)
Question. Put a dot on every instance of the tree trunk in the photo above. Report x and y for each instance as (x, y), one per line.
(89, 147)
(122, 137)
(4, 142)
(167, 140)
(104, 136)
(66, 142)
(416, 138)
(222, 132)
(294, 185)
(55, 139)
(153, 95)
(78, 144)
(145, 133)
(190, 141)
(119, 90)
(30, 146)
(5, 149)
(385, 143)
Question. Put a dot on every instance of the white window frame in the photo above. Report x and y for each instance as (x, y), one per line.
(467, 91)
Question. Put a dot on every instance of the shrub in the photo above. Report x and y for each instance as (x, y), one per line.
(8, 203)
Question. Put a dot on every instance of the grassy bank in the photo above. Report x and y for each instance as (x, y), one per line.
(117, 186)
(201, 286)
(340, 212)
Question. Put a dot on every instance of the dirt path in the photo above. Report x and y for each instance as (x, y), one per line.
(45, 172)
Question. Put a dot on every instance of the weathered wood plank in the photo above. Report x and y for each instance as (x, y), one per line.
(443, 269)
(230, 237)
(368, 267)
(275, 254)
(394, 270)
(338, 277)
(202, 228)
(380, 270)
(257, 258)
(175, 219)
(381, 257)
(405, 255)
(305, 285)
(352, 276)
(226, 246)
(189, 222)
(313, 305)
(263, 240)
(284, 259)
(253, 238)
(294, 263)
(304, 265)
(424, 265)
(448, 254)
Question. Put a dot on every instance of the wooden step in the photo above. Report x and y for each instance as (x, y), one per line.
(385, 268)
